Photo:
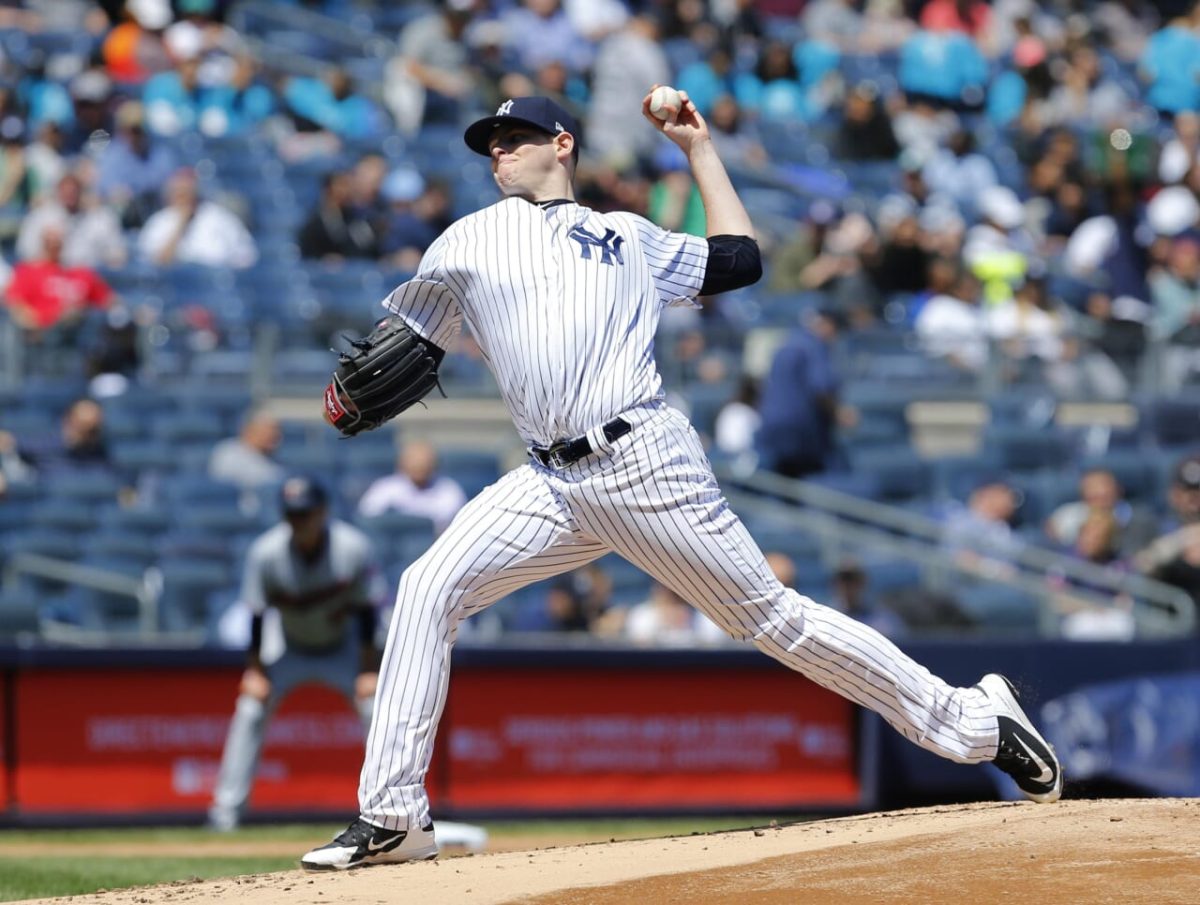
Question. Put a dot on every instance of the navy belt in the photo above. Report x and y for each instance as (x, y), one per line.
(568, 452)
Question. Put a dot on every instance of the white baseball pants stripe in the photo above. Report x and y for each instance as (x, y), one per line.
(654, 501)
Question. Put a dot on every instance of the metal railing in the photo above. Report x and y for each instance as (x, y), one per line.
(850, 522)
(145, 590)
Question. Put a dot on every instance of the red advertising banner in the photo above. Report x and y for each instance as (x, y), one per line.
(5, 779)
(603, 739)
(132, 741)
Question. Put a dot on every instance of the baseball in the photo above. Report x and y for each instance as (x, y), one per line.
(664, 101)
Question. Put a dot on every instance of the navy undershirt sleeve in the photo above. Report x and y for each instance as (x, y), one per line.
(733, 262)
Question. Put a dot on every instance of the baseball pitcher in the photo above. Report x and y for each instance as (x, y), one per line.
(564, 301)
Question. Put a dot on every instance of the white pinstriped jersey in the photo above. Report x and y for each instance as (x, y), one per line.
(564, 302)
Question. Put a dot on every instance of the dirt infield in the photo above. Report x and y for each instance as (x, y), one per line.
(1126, 851)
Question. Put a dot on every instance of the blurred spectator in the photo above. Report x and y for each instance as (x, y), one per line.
(733, 135)
(707, 79)
(333, 230)
(791, 258)
(1175, 293)
(959, 171)
(850, 595)
(980, 536)
(738, 420)
(241, 104)
(134, 167)
(665, 619)
(1174, 558)
(247, 460)
(997, 248)
(627, 63)
(16, 187)
(1095, 543)
(836, 22)
(89, 119)
(190, 230)
(1181, 153)
(332, 105)
(897, 262)
(581, 601)
(539, 31)
(972, 17)
(1104, 251)
(410, 225)
(431, 74)
(416, 488)
(674, 201)
(1171, 65)
(366, 189)
(198, 34)
(174, 99)
(44, 159)
(773, 90)
(950, 325)
(885, 27)
(1101, 492)
(838, 268)
(865, 132)
(46, 292)
(1084, 97)
(134, 50)
(799, 401)
(1125, 26)
(922, 128)
(91, 233)
(945, 67)
(78, 445)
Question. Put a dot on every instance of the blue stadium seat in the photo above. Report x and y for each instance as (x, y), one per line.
(88, 487)
(187, 489)
(18, 612)
(193, 426)
(999, 608)
(137, 457)
(64, 514)
(899, 472)
(1028, 448)
(187, 584)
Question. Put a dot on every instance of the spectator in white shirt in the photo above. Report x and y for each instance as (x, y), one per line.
(91, 232)
(416, 488)
(951, 325)
(666, 620)
(190, 230)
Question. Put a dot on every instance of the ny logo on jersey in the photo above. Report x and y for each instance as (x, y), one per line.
(609, 244)
(504, 109)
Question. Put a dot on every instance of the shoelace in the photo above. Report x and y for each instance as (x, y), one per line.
(355, 834)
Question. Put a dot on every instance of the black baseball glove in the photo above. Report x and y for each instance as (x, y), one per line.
(385, 372)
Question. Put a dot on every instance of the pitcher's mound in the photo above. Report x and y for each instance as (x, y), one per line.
(1125, 851)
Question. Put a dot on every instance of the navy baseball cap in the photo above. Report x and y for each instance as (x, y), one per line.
(301, 494)
(539, 112)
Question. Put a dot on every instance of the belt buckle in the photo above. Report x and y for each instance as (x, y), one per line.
(556, 455)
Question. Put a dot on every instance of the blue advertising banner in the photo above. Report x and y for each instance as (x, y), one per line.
(1144, 732)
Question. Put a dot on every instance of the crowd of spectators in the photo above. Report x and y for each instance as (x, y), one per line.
(1016, 185)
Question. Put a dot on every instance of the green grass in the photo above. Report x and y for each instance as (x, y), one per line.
(63, 873)
(33, 878)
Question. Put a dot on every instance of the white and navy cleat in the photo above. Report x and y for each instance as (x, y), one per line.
(363, 843)
(1022, 752)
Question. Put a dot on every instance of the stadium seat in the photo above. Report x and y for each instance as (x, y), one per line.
(999, 607)
(64, 514)
(899, 473)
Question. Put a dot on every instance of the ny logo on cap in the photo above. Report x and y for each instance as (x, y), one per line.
(504, 109)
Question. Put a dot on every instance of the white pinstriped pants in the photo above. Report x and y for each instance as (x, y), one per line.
(653, 500)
